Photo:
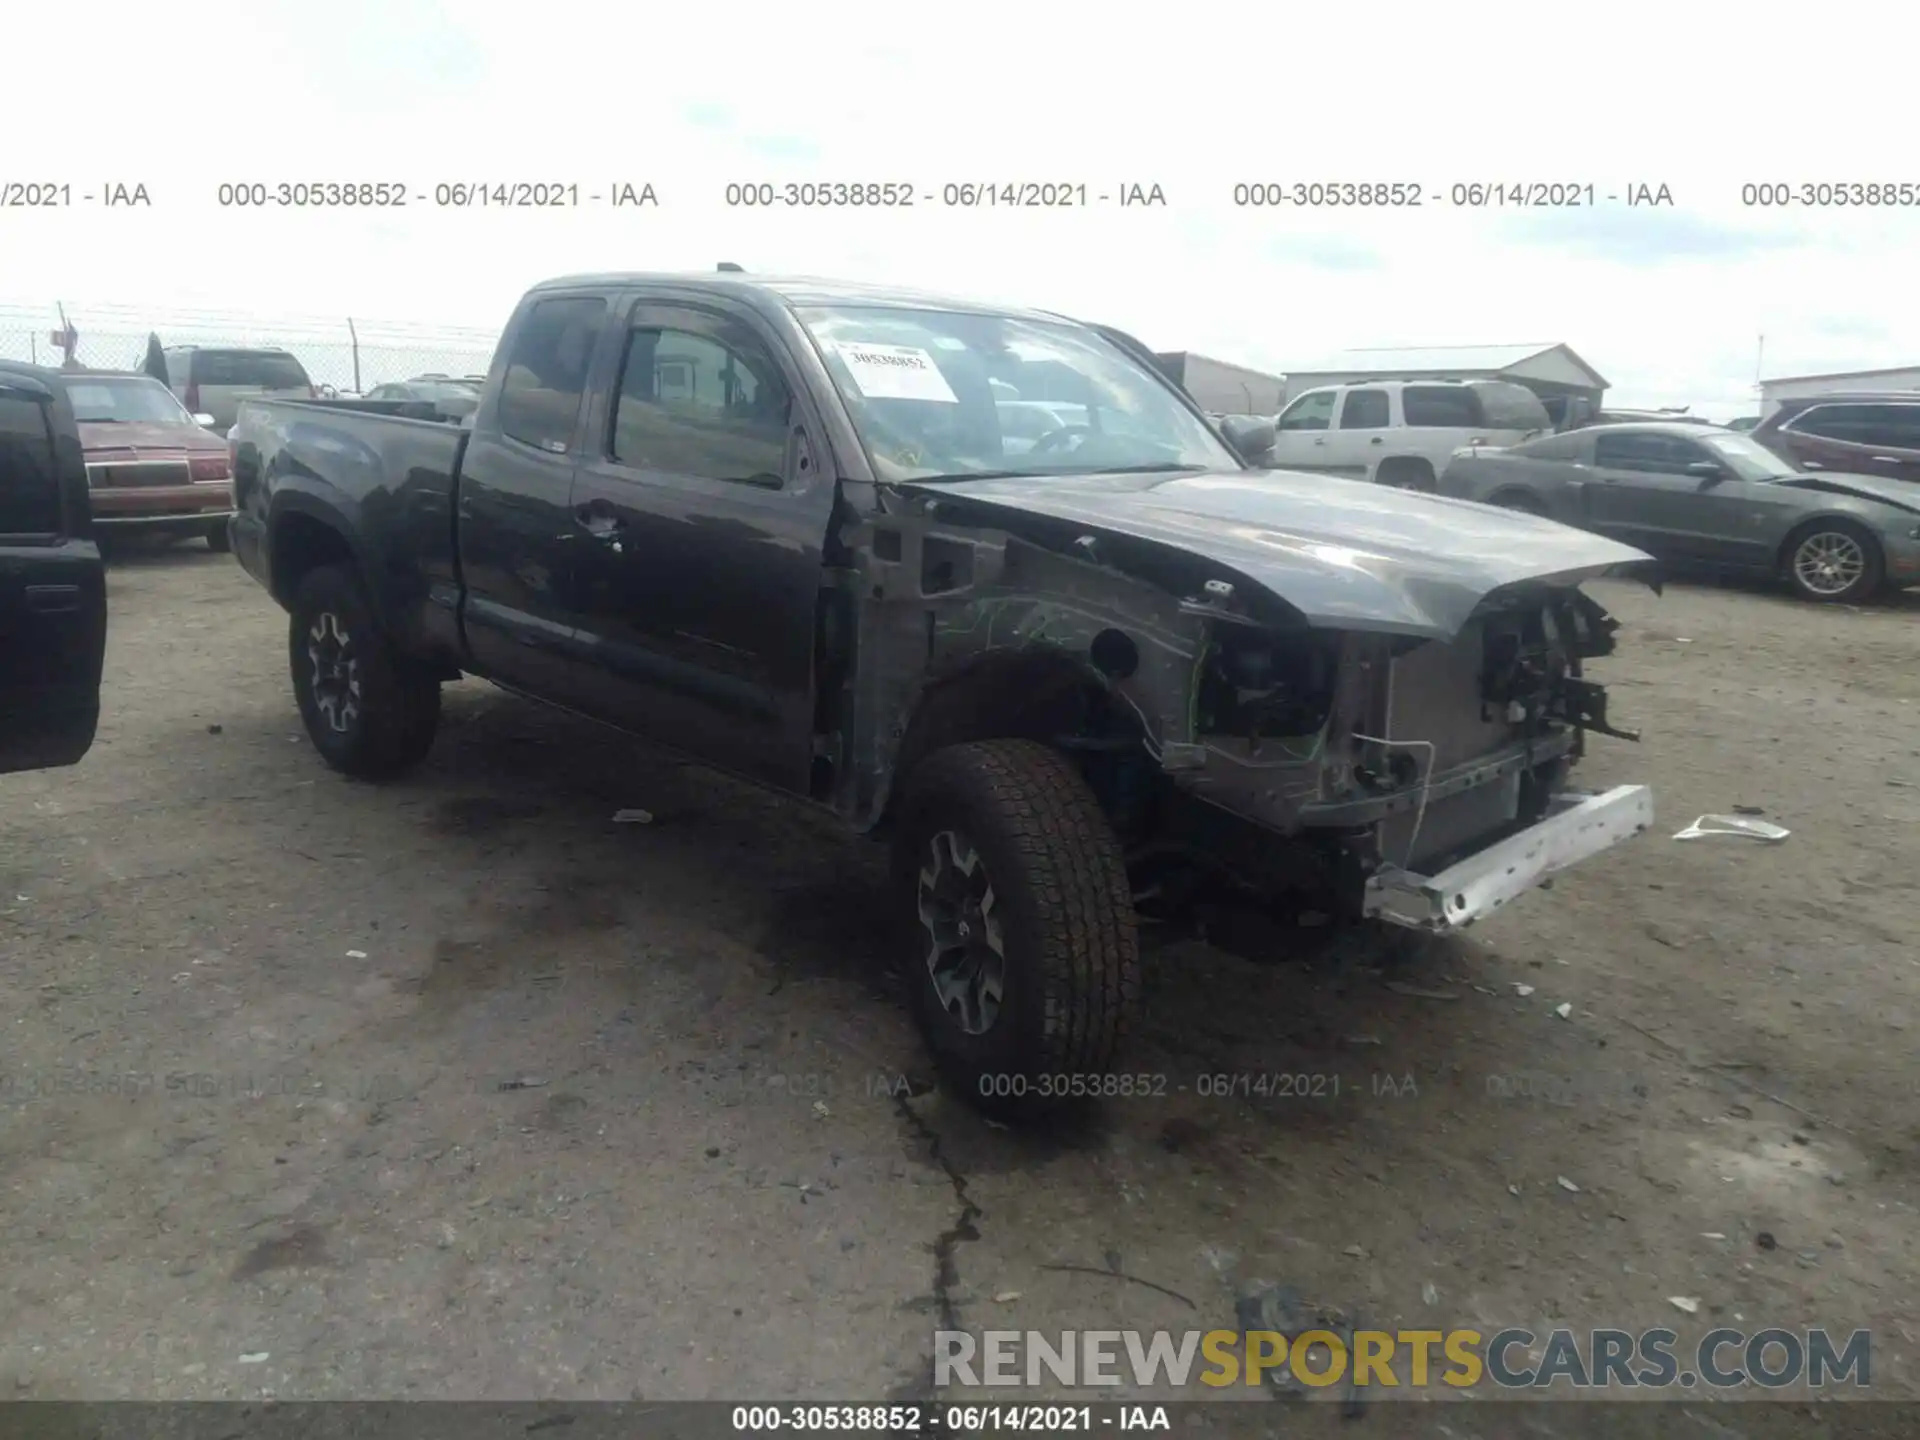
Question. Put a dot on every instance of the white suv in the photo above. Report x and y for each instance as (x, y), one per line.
(1402, 432)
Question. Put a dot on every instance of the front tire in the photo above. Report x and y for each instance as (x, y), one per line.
(370, 712)
(1521, 501)
(1025, 969)
(1834, 562)
(1403, 473)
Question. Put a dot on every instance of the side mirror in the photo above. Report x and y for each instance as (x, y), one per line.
(1711, 471)
(203, 420)
(1251, 435)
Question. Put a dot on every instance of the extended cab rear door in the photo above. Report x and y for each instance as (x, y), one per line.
(702, 507)
(53, 600)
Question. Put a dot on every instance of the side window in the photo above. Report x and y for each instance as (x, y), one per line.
(696, 405)
(29, 479)
(177, 366)
(1896, 426)
(1622, 452)
(1649, 454)
(1828, 422)
(1364, 410)
(547, 372)
(1441, 407)
(1312, 411)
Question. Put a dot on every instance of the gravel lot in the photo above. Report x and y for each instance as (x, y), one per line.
(459, 1089)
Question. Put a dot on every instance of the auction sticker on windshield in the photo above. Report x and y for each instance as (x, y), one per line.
(896, 372)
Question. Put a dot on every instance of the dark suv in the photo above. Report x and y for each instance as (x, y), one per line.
(53, 598)
(1857, 434)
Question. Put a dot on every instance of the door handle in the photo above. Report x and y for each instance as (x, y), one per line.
(1377, 440)
(53, 599)
(1319, 442)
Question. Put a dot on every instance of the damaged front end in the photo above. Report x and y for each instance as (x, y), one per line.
(1417, 779)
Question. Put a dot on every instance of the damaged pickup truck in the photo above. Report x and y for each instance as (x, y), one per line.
(812, 534)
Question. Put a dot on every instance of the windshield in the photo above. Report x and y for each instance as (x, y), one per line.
(944, 395)
(1749, 459)
(110, 401)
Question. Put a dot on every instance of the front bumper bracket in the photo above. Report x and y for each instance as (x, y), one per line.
(1578, 825)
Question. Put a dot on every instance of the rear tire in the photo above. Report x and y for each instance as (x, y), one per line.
(1408, 474)
(218, 540)
(370, 712)
(1834, 562)
(1025, 962)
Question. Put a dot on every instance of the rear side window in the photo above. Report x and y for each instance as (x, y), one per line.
(1511, 407)
(547, 372)
(1364, 410)
(251, 369)
(29, 479)
(1897, 426)
(1441, 407)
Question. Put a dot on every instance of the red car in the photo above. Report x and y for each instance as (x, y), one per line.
(1855, 434)
(152, 465)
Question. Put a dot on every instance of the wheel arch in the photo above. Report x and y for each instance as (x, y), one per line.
(1030, 692)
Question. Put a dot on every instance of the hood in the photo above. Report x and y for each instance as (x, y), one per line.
(1346, 554)
(146, 435)
(1901, 494)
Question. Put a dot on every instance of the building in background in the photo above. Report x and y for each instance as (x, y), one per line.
(1563, 381)
(1800, 387)
(1221, 388)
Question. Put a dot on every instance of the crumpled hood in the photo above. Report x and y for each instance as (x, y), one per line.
(1903, 494)
(1347, 554)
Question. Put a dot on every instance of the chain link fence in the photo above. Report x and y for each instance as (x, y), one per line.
(349, 355)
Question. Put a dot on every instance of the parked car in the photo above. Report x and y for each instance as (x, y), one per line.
(151, 465)
(1710, 498)
(1402, 432)
(774, 525)
(1640, 417)
(212, 380)
(450, 397)
(53, 591)
(1864, 434)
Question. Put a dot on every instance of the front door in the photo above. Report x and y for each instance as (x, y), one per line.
(703, 511)
(1656, 491)
(516, 485)
(53, 597)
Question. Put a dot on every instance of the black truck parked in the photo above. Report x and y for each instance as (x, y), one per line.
(776, 525)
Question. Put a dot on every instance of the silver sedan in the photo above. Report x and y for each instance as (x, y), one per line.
(1709, 498)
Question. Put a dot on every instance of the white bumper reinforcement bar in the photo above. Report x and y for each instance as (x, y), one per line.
(1578, 824)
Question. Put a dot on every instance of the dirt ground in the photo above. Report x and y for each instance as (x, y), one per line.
(459, 1089)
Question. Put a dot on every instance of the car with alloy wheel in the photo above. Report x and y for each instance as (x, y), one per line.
(779, 526)
(1713, 499)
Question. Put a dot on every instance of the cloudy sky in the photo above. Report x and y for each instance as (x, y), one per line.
(1668, 302)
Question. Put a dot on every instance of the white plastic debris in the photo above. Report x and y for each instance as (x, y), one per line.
(255, 1357)
(1712, 1235)
(633, 817)
(356, 954)
(1006, 1297)
(1523, 990)
(1568, 1185)
(1685, 1303)
(1734, 825)
(1564, 1009)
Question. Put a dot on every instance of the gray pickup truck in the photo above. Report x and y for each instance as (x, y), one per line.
(773, 525)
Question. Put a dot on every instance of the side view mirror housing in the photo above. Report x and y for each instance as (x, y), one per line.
(1250, 435)
(203, 420)
(1708, 471)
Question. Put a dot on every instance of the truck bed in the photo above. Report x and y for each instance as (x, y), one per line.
(393, 477)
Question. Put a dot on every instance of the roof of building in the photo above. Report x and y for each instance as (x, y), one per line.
(1842, 375)
(1445, 360)
(1182, 356)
